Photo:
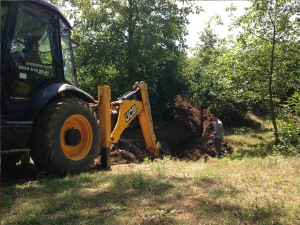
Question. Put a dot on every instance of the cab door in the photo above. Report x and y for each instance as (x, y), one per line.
(29, 49)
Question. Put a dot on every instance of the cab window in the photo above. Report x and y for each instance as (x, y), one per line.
(69, 65)
(30, 54)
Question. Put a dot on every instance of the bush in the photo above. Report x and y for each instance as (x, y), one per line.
(289, 126)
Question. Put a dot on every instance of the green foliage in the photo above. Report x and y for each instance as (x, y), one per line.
(270, 32)
(214, 81)
(253, 73)
(289, 126)
(199, 70)
(122, 42)
(165, 212)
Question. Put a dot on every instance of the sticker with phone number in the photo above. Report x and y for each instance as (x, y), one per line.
(38, 70)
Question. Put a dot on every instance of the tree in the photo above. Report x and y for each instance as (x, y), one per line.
(199, 71)
(269, 38)
(123, 41)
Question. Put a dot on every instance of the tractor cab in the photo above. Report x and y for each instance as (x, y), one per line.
(36, 50)
(37, 66)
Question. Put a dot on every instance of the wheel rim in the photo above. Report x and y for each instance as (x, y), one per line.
(80, 150)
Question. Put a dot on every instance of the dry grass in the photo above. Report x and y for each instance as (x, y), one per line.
(249, 191)
(250, 186)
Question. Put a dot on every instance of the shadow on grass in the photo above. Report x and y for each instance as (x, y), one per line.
(255, 150)
(79, 198)
(230, 212)
(103, 198)
(247, 130)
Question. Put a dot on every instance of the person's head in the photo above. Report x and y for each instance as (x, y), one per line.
(215, 116)
(32, 44)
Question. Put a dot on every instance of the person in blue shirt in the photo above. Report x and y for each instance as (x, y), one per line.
(218, 133)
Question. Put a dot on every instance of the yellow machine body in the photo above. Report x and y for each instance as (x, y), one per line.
(117, 115)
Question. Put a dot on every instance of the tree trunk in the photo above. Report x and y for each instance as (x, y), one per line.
(271, 101)
(130, 41)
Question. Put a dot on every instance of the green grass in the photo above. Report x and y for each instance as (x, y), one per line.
(249, 142)
(242, 188)
(251, 191)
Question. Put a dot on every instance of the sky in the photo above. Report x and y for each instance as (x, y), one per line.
(197, 22)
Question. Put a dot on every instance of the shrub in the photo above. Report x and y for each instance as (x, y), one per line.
(289, 126)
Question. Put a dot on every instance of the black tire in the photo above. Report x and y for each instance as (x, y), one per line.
(66, 137)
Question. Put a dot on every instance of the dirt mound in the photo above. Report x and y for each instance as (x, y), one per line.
(189, 136)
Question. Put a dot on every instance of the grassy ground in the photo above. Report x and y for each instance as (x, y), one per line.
(244, 188)
(256, 142)
(249, 191)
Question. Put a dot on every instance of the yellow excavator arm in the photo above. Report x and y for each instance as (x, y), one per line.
(117, 115)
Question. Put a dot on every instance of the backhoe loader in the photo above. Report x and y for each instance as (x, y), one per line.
(44, 115)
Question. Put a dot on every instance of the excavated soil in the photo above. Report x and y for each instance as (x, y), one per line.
(188, 136)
